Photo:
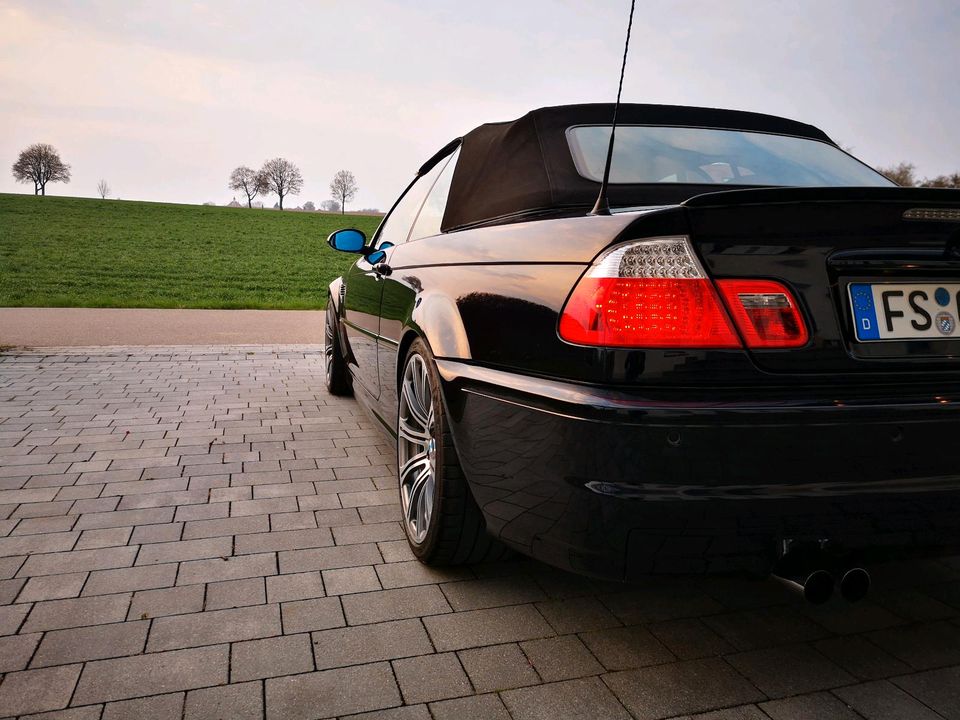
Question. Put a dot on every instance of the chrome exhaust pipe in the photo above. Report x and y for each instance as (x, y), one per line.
(855, 584)
(816, 587)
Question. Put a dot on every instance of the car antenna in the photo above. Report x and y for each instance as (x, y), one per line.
(602, 206)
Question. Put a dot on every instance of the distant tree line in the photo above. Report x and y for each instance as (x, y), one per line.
(281, 177)
(904, 174)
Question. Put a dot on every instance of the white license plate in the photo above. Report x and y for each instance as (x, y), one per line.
(905, 311)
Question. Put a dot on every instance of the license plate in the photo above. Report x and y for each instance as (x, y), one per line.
(905, 311)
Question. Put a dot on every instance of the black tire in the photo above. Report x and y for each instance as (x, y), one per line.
(456, 532)
(337, 376)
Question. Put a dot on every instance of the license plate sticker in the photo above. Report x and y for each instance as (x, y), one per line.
(914, 311)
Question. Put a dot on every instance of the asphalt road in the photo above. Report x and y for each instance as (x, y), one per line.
(83, 327)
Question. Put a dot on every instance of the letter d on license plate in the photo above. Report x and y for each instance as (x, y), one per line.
(914, 311)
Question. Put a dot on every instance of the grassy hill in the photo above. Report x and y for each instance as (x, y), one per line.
(77, 252)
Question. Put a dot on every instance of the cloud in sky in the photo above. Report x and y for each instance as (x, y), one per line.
(164, 99)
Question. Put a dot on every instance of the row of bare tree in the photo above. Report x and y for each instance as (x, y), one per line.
(905, 175)
(281, 177)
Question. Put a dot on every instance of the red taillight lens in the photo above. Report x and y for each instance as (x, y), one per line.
(651, 293)
(765, 313)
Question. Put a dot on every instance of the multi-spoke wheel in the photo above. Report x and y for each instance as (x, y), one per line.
(441, 518)
(338, 377)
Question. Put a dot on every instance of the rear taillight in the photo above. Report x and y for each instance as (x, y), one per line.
(765, 313)
(655, 294)
(651, 293)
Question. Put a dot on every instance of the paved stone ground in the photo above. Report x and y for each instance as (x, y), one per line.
(203, 533)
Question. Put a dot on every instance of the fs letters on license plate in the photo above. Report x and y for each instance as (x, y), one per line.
(907, 311)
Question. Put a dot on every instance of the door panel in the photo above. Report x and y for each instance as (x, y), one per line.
(362, 323)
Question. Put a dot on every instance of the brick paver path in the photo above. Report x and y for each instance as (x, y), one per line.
(204, 533)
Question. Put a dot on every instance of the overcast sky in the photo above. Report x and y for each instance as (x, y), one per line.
(163, 99)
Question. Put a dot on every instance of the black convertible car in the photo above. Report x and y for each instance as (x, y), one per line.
(751, 364)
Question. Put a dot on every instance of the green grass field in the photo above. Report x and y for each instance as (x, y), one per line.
(76, 252)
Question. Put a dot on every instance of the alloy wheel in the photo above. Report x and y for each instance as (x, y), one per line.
(417, 448)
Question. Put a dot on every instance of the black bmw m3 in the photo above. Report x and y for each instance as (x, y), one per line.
(752, 363)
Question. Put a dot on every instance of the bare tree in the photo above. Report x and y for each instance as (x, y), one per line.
(943, 181)
(103, 190)
(40, 163)
(309, 206)
(282, 178)
(902, 174)
(248, 181)
(344, 188)
(330, 206)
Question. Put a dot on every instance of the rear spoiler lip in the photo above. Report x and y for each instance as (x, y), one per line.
(792, 195)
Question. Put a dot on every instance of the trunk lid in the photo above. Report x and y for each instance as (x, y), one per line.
(818, 241)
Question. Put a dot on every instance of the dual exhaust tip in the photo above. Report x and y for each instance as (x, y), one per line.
(817, 587)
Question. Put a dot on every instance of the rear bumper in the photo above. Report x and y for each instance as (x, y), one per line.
(620, 485)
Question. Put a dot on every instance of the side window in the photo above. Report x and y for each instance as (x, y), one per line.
(431, 214)
(396, 227)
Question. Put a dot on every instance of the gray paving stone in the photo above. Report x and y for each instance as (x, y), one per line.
(30, 544)
(586, 699)
(235, 593)
(296, 586)
(369, 643)
(861, 658)
(313, 614)
(431, 677)
(809, 707)
(561, 658)
(406, 574)
(498, 667)
(476, 707)
(283, 540)
(216, 626)
(124, 518)
(881, 700)
(350, 580)
(923, 646)
(168, 532)
(185, 550)
(681, 688)
(352, 534)
(328, 558)
(91, 643)
(625, 648)
(486, 627)
(689, 639)
(494, 592)
(938, 689)
(52, 587)
(11, 617)
(271, 657)
(16, 651)
(221, 527)
(168, 601)
(33, 691)
(146, 577)
(89, 712)
(78, 561)
(398, 604)
(331, 693)
(227, 568)
(122, 678)
(158, 707)
(231, 702)
(800, 669)
(407, 712)
(77, 612)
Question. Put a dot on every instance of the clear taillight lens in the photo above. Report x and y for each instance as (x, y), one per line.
(650, 293)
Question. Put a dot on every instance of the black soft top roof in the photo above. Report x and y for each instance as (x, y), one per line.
(525, 167)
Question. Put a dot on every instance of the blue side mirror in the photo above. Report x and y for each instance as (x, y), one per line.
(351, 241)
